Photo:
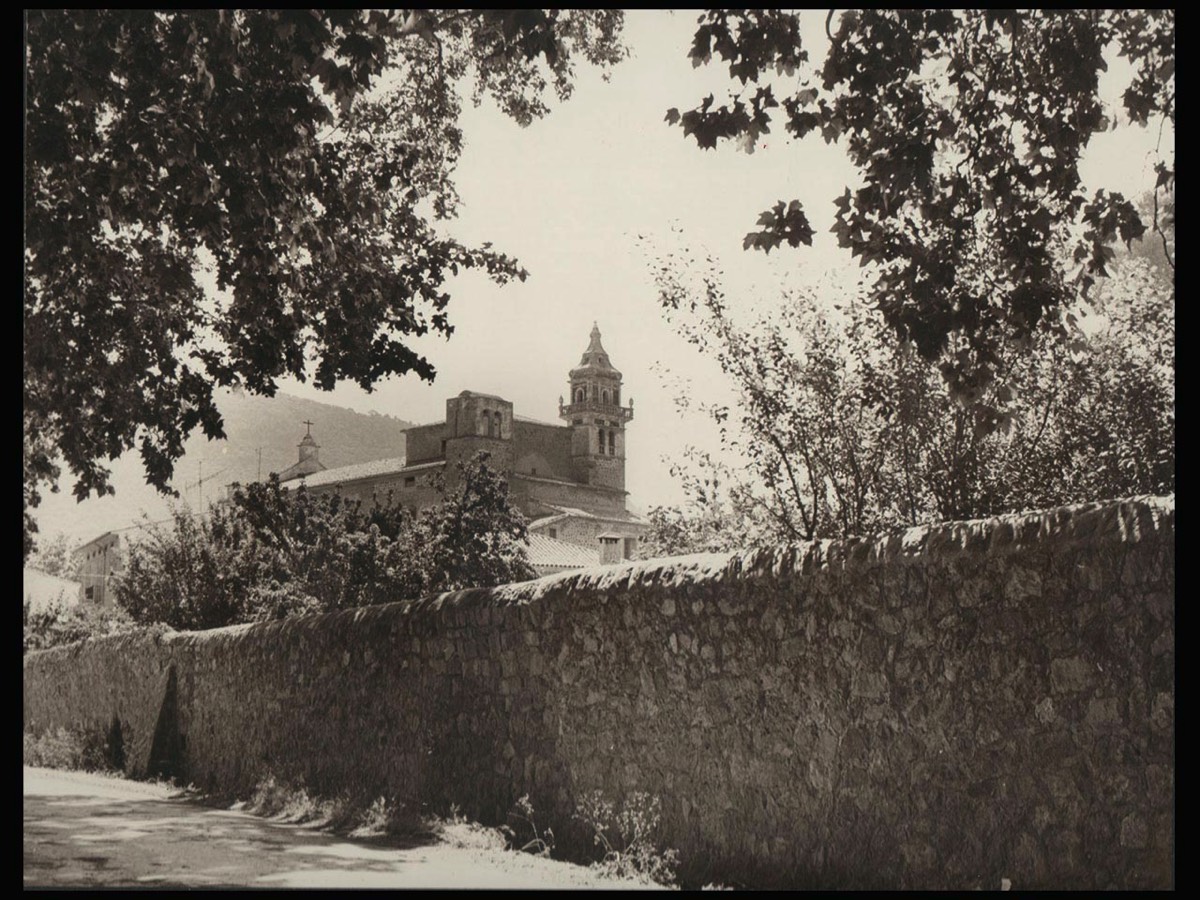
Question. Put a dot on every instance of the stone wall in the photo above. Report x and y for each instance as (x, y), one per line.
(542, 446)
(945, 707)
(530, 492)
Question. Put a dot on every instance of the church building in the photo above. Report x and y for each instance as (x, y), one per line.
(568, 479)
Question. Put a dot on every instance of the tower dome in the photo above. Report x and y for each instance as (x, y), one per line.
(595, 357)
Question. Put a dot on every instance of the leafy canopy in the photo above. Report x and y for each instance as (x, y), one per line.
(967, 129)
(298, 160)
(272, 552)
(837, 430)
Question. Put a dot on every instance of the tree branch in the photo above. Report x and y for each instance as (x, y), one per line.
(1162, 236)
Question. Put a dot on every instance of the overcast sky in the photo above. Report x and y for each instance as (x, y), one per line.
(569, 196)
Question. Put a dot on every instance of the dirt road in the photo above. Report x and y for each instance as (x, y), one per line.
(92, 831)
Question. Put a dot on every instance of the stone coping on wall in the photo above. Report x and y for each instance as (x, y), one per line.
(1125, 521)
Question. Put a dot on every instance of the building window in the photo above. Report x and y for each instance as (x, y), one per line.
(616, 396)
(410, 480)
(499, 422)
(90, 593)
(577, 421)
(604, 396)
(554, 532)
(485, 422)
(612, 443)
(443, 449)
(579, 395)
(601, 433)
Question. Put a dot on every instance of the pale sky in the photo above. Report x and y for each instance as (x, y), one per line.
(568, 197)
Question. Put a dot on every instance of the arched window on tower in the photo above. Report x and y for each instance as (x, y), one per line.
(616, 396)
(485, 423)
(604, 396)
(579, 395)
(499, 422)
(612, 443)
(601, 433)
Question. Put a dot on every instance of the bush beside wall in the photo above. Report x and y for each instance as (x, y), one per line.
(943, 708)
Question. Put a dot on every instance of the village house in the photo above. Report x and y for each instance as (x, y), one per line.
(568, 480)
(96, 563)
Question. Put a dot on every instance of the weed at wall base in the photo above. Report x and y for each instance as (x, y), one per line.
(627, 837)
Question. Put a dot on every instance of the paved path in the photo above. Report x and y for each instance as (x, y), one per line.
(93, 831)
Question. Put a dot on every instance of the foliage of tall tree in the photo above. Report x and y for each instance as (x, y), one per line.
(271, 552)
(839, 430)
(56, 556)
(967, 128)
(474, 538)
(297, 159)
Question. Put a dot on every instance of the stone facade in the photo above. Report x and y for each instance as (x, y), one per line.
(943, 708)
(575, 470)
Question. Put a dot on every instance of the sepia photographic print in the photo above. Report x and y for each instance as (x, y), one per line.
(599, 449)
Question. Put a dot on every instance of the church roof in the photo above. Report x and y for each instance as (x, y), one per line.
(571, 512)
(373, 469)
(595, 357)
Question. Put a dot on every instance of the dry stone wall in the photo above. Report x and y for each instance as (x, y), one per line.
(945, 707)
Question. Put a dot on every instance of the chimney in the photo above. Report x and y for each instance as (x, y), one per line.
(610, 549)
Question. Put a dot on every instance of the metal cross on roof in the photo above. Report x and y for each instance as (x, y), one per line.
(308, 428)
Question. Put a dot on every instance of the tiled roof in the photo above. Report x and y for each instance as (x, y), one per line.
(546, 551)
(574, 511)
(570, 512)
(342, 474)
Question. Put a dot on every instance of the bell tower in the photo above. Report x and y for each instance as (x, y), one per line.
(597, 418)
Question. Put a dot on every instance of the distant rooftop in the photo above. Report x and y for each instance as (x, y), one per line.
(571, 512)
(547, 551)
(393, 466)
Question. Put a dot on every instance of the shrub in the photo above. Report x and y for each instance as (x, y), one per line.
(61, 622)
(88, 750)
(627, 837)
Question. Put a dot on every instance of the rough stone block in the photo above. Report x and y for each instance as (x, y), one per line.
(1071, 674)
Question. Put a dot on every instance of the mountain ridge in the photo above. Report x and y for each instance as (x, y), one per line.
(273, 426)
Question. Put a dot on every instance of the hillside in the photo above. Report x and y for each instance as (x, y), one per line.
(274, 424)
